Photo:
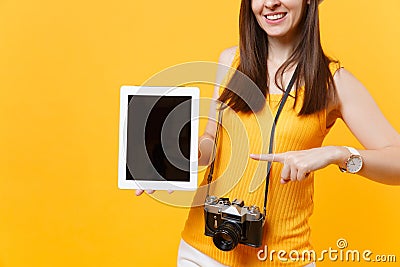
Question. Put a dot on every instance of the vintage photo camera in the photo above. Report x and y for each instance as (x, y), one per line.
(232, 223)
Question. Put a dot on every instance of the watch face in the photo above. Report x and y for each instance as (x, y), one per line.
(354, 164)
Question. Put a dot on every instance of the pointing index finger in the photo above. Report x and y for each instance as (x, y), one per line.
(268, 157)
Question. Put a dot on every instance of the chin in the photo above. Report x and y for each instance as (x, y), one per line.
(276, 34)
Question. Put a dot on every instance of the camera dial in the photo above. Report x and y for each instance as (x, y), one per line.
(211, 200)
(254, 209)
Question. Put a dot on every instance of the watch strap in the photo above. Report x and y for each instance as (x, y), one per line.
(353, 151)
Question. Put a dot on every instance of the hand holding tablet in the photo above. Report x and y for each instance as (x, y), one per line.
(158, 138)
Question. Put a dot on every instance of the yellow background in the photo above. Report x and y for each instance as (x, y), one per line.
(61, 66)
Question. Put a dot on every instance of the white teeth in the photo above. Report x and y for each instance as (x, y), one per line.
(275, 17)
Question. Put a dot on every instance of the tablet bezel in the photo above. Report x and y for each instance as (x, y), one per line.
(127, 91)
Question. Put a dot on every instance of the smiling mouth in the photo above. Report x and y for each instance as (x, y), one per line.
(276, 16)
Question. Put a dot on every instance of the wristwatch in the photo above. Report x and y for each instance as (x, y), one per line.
(354, 163)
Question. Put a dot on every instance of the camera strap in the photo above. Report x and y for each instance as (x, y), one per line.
(223, 106)
(272, 136)
(221, 109)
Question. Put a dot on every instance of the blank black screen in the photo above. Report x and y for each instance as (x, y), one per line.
(158, 138)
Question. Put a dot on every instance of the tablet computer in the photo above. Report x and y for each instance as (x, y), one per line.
(158, 138)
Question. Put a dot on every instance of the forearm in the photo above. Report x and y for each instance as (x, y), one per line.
(380, 165)
(206, 145)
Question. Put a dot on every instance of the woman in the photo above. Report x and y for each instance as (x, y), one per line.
(278, 37)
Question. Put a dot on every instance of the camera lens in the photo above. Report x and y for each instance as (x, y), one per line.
(227, 236)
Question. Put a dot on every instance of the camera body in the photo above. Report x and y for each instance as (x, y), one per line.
(232, 223)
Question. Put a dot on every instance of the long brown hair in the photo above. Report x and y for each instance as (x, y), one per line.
(312, 64)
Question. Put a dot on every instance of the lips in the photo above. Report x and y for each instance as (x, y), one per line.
(275, 16)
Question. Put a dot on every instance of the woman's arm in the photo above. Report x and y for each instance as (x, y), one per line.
(381, 157)
(206, 141)
(362, 116)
